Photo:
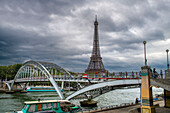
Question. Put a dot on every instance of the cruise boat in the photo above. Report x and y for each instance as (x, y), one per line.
(49, 106)
(41, 89)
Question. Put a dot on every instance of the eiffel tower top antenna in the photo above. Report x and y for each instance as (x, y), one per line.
(95, 17)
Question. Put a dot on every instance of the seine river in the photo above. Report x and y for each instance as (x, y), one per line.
(11, 102)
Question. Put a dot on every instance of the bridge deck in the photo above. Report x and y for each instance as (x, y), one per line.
(115, 83)
(163, 83)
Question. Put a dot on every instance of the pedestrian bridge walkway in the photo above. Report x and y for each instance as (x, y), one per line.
(57, 79)
(163, 83)
(104, 87)
(101, 88)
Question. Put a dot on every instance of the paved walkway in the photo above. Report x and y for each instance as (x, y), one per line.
(121, 110)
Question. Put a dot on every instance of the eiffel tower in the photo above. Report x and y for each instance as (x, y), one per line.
(95, 64)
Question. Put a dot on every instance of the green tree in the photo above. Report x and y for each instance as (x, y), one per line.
(9, 72)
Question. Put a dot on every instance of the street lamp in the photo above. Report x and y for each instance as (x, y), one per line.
(167, 59)
(144, 42)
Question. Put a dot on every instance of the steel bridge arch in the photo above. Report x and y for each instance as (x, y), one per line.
(104, 84)
(41, 67)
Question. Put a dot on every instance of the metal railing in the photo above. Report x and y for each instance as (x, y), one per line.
(114, 75)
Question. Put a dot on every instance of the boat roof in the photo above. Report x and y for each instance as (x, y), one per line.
(45, 101)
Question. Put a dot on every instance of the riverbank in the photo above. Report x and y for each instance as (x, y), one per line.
(11, 92)
(2, 90)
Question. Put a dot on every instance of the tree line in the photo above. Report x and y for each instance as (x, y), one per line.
(9, 72)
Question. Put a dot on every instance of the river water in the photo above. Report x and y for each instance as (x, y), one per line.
(11, 102)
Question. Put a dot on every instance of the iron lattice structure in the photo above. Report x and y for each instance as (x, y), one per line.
(95, 64)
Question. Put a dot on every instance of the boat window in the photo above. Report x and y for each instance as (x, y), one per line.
(44, 106)
(49, 105)
(54, 105)
(25, 107)
(32, 108)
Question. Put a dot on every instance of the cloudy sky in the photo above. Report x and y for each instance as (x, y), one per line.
(61, 31)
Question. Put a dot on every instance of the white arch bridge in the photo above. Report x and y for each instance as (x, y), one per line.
(44, 71)
(39, 70)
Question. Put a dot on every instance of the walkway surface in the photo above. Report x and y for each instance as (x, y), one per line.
(121, 110)
(132, 109)
(163, 83)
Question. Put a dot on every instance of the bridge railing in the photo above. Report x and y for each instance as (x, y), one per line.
(115, 75)
(90, 76)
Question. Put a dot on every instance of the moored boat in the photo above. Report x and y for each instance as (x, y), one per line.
(49, 106)
(88, 103)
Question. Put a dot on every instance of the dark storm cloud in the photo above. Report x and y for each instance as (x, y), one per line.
(42, 7)
(108, 25)
(61, 32)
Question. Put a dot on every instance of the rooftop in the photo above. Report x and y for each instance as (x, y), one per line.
(45, 101)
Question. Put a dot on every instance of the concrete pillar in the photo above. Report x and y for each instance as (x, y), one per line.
(166, 92)
(147, 99)
(167, 98)
(62, 85)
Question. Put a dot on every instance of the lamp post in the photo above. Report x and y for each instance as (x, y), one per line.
(144, 42)
(146, 89)
(166, 92)
(167, 59)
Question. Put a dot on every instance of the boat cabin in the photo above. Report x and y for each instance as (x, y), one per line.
(50, 106)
